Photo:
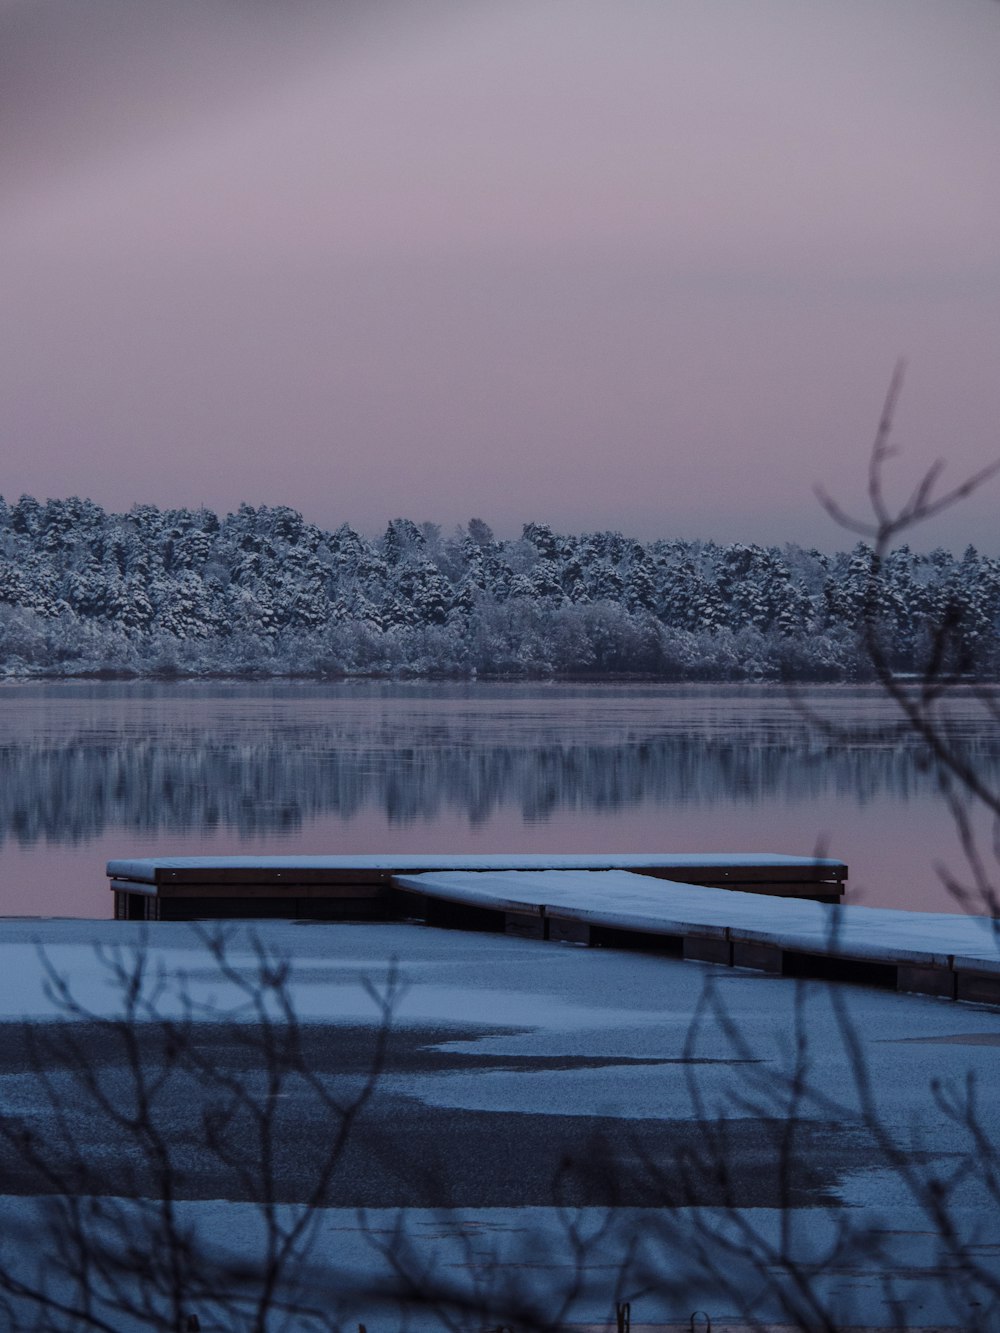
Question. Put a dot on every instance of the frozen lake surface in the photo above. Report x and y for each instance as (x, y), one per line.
(522, 1074)
(95, 771)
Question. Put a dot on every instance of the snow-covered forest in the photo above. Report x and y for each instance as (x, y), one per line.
(179, 591)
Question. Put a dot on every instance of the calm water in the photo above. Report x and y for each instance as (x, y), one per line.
(91, 771)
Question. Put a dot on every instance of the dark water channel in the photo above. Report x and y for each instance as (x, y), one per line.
(93, 770)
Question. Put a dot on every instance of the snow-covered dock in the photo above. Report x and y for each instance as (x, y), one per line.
(778, 914)
(928, 953)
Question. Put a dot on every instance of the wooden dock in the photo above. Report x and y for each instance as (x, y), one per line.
(771, 913)
(928, 953)
(363, 888)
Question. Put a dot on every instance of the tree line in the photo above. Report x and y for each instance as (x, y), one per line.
(261, 591)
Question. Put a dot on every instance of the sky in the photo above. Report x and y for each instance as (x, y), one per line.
(643, 265)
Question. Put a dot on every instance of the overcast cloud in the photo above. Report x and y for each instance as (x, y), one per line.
(643, 265)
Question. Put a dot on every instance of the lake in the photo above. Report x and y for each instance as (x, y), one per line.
(93, 770)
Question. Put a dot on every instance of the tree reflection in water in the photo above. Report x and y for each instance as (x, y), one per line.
(270, 762)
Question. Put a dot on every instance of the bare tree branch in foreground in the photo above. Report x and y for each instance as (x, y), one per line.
(922, 702)
(120, 1250)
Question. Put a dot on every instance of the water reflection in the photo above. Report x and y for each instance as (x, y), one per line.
(79, 761)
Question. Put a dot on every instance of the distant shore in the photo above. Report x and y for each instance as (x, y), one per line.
(261, 594)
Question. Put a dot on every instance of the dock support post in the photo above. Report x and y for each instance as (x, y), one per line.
(708, 949)
(759, 957)
(918, 980)
(526, 925)
(980, 987)
(564, 931)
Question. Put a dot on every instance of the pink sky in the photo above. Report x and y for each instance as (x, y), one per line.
(643, 265)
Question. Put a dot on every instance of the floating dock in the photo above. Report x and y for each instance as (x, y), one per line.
(927, 953)
(772, 913)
